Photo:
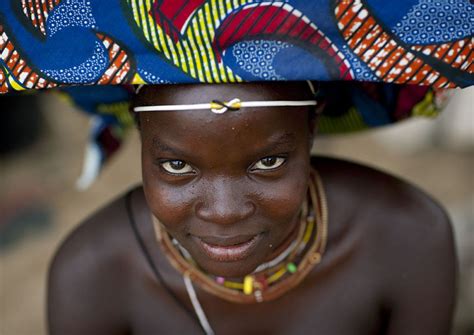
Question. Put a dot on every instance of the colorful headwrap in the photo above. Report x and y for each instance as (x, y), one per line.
(357, 50)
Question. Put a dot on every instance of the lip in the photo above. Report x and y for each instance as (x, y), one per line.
(228, 249)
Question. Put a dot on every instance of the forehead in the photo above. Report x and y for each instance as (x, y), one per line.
(242, 130)
(248, 129)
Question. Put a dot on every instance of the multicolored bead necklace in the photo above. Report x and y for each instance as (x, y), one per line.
(274, 278)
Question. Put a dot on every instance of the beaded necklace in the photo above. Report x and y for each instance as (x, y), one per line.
(271, 279)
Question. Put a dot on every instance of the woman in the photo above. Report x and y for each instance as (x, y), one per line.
(237, 230)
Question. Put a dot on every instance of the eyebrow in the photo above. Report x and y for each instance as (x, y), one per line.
(166, 148)
(277, 141)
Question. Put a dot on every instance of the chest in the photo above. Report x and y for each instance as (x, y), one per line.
(322, 304)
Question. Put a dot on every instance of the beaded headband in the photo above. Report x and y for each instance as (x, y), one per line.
(220, 107)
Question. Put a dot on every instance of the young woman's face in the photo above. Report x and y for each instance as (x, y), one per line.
(228, 187)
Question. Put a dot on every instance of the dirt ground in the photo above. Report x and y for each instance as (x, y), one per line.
(37, 193)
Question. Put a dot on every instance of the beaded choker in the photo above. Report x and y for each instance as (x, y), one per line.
(274, 278)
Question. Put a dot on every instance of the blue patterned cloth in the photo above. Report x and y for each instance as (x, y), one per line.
(50, 43)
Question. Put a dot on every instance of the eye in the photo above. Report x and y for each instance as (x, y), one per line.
(269, 163)
(177, 167)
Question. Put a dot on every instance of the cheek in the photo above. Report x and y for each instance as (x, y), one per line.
(282, 201)
(172, 205)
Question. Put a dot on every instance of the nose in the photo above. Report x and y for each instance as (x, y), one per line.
(224, 201)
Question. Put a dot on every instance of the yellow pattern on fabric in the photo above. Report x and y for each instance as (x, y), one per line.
(143, 14)
(205, 40)
(138, 80)
(181, 55)
(15, 84)
(12, 81)
(193, 54)
(191, 59)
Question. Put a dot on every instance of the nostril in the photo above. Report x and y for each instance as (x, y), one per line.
(199, 207)
(248, 210)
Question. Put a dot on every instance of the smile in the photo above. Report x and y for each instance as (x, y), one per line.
(228, 249)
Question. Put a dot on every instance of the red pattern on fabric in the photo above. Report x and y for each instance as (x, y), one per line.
(173, 15)
(272, 21)
(37, 11)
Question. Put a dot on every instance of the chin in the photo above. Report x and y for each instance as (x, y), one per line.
(229, 269)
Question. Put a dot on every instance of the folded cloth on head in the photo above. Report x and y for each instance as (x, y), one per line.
(50, 43)
(360, 49)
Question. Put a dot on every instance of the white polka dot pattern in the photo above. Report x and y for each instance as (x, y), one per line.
(432, 21)
(86, 72)
(71, 13)
(256, 57)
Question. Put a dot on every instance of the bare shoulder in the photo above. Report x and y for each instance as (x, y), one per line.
(93, 242)
(390, 204)
(404, 237)
(89, 271)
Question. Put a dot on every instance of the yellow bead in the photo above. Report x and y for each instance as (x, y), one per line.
(248, 285)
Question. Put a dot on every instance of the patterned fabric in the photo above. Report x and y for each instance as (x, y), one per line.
(358, 50)
(49, 43)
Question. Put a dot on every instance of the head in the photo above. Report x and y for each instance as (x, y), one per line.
(234, 178)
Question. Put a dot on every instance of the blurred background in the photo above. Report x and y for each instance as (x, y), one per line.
(39, 204)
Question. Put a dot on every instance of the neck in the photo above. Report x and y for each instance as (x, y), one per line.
(290, 237)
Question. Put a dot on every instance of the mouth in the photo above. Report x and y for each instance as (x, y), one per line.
(228, 249)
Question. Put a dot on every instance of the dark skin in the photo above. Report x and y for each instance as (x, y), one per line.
(389, 265)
